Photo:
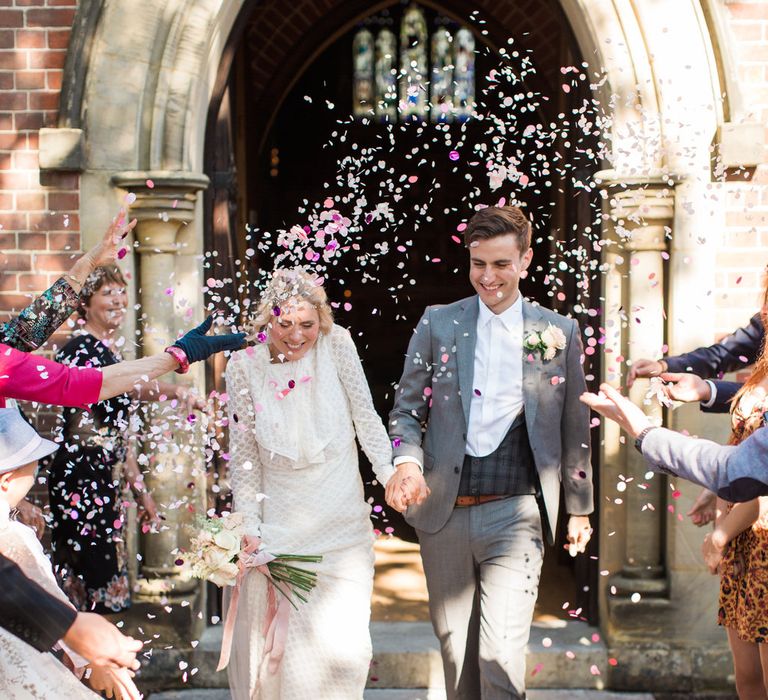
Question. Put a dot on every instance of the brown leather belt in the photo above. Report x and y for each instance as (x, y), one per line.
(464, 501)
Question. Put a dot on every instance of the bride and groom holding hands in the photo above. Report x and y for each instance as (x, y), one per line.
(486, 427)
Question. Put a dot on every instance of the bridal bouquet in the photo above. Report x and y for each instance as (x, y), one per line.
(216, 555)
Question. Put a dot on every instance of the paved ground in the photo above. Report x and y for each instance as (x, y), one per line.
(422, 694)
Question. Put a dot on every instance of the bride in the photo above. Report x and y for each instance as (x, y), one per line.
(296, 404)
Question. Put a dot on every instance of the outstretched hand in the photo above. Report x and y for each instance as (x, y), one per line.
(197, 345)
(108, 249)
(681, 386)
(643, 368)
(611, 404)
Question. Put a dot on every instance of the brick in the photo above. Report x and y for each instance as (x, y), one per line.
(10, 101)
(61, 181)
(30, 80)
(63, 201)
(746, 10)
(64, 241)
(32, 241)
(25, 160)
(32, 283)
(746, 218)
(53, 262)
(14, 302)
(44, 100)
(13, 262)
(28, 121)
(15, 181)
(5, 161)
(61, 3)
(50, 18)
(54, 222)
(7, 40)
(17, 221)
(31, 39)
(30, 201)
(30, 3)
(6, 121)
(747, 31)
(58, 38)
(46, 58)
(6, 80)
(10, 140)
(54, 79)
(33, 138)
(9, 282)
(6, 204)
(11, 18)
(12, 60)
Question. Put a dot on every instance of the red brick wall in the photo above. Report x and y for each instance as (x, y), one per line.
(743, 251)
(39, 214)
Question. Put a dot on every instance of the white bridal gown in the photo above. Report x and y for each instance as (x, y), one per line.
(295, 478)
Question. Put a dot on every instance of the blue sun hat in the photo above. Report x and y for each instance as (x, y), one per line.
(19, 442)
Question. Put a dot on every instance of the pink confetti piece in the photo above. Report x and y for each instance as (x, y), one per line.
(413, 178)
(150, 184)
(453, 155)
(536, 669)
(122, 253)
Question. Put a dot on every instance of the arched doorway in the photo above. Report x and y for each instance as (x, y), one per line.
(272, 152)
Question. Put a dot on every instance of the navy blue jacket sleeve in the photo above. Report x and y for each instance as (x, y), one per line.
(725, 392)
(29, 611)
(740, 349)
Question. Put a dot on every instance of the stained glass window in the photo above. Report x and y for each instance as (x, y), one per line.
(413, 64)
(464, 74)
(386, 78)
(441, 109)
(413, 73)
(362, 56)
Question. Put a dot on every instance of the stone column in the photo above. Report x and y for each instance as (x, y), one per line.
(641, 214)
(164, 207)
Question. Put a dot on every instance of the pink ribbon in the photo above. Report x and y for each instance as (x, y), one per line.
(276, 621)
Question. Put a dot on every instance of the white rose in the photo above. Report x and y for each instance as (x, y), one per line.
(225, 575)
(227, 540)
(553, 337)
(550, 353)
(532, 340)
(215, 558)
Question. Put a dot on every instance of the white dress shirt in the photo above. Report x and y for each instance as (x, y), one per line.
(497, 387)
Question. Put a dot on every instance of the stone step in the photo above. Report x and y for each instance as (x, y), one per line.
(415, 694)
(406, 655)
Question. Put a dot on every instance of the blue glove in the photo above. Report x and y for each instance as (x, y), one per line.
(199, 346)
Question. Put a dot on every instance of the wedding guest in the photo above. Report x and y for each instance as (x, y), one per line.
(296, 404)
(25, 674)
(488, 407)
(97, 459)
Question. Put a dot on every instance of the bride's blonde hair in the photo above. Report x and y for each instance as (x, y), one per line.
(285, 285)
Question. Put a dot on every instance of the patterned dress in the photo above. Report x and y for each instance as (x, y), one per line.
(84, 491)
(295, 478)
(743, 604)
(26, 673)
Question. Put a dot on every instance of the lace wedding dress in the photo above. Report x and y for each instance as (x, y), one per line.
(294, 476)
(26, 673)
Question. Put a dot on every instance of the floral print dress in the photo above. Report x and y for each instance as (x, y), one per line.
(84, 488)
(743, 604)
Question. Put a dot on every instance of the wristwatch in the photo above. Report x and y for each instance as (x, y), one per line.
(641, 436)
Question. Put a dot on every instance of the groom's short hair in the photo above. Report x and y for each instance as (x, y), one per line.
(499, 221)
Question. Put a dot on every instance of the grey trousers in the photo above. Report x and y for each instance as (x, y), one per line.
(482, 573)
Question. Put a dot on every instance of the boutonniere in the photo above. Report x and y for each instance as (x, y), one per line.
(548, 342)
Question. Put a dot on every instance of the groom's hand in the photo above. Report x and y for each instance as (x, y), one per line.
(579, 533)
(406, 487)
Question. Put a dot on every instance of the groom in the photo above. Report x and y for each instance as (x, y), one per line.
(488, 409)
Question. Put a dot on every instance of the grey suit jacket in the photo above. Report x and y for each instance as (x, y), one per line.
(735, 473)
(432, 425)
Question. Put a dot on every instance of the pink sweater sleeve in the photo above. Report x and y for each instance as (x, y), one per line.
(33, 378)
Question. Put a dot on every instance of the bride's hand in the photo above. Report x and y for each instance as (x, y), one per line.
(251, 544)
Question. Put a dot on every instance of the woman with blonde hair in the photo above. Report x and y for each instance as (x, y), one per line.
(297, 401)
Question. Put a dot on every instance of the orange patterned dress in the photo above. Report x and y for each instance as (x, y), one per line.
(743, 604)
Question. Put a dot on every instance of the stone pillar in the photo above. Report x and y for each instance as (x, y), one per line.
(641, 214)
(164, 207)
